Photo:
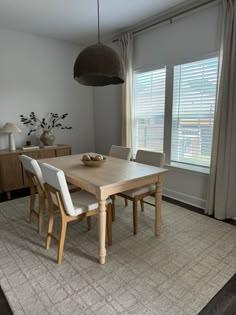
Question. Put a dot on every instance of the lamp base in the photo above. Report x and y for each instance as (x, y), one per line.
(12, 146)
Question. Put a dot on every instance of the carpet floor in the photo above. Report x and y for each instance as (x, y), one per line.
(176, 273)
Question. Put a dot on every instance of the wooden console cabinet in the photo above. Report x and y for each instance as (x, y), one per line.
(12, 175)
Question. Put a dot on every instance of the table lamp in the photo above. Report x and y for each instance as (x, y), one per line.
(11, 128)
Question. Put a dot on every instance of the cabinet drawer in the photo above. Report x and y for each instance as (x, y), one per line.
(34, 154)
(44, 154)
(63, 151)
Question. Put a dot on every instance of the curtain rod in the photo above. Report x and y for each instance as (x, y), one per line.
(170, 18)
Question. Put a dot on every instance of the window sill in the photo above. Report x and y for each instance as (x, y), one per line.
(192, 168)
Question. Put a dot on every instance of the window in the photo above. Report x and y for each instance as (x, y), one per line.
(189, 116)
(194, 97)
(148, 110)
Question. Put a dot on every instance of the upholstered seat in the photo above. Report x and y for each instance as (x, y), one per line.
(138, 194)
(123, 153)
(138, 191)
(84, 201)
(36, 184)
(73, 206)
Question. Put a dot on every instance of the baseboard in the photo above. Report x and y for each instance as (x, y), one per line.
(193, 201)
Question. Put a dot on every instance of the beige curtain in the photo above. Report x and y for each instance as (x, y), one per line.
(222, 182)
(126, 46)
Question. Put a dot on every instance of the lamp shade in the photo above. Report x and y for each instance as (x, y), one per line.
(10, 128)
(99, 65)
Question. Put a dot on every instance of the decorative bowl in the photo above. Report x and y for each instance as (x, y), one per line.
(94, 163)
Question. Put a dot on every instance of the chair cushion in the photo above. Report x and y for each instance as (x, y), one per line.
(82, 201)
(32, 166)
(150, 158)
(139, 191)
(76, 202)
(120, 152)
(56, 178)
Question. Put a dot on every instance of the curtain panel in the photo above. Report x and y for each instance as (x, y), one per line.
(126, 46)
(222, 182)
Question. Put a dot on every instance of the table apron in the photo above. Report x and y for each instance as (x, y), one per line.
(107, 191)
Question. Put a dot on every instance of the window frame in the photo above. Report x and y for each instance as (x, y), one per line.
(169, 84)
(139, 71)
(189, 166)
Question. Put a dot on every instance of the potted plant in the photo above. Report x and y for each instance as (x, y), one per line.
(46, 124)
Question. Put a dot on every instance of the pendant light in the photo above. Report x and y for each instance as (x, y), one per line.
(99, 65)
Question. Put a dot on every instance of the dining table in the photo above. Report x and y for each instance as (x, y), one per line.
(111, 177)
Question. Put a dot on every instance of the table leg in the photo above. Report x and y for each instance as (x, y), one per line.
(158, 201)
(102, 231)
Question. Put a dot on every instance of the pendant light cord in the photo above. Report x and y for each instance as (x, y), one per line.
(98, 22)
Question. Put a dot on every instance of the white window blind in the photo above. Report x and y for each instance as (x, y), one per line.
(194, 98)
(148, 110)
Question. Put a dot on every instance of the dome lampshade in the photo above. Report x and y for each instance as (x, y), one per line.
(99, 65)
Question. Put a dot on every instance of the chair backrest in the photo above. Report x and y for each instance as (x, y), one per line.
(120, 152)
(32, 166)
(150, 158)
(56, 178)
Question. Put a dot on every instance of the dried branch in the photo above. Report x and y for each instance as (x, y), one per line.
(50, 121)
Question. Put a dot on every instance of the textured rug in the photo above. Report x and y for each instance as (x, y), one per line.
(176, 273)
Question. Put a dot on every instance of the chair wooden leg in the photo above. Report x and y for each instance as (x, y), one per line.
(41, 211)
(113, 208)
(135, 216)
(142, 205)
(126, 202)
(89, 223)
(109, 224)
(32, 203)
(50, 227)
(61, 241)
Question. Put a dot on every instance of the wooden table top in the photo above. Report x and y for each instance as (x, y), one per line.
(114, 176)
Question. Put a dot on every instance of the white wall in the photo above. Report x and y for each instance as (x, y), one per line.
(36, 74)
(107, 113)
(190, 37)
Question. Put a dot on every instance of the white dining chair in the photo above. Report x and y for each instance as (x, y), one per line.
(72, 206)
(124, 153)
(120, 152)
(138, 194)
(36, 184)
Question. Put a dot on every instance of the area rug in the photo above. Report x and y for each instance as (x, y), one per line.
(178, 272)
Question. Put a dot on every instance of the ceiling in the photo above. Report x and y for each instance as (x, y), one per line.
(76, 20)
